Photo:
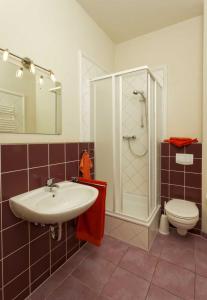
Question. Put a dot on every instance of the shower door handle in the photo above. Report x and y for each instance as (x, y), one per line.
(128, 138)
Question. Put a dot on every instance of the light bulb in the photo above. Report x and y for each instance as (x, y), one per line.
(52, 76)
(5, 55)
(19, 73)
(32, 68)
(41, 80)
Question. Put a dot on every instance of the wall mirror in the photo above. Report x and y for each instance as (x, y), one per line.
(29, 103)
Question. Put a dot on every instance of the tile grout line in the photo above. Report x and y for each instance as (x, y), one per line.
(44, 166)
(20, 294)
(14, 278)
(67, 261)
(48, 269)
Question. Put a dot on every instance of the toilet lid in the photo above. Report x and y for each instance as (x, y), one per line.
(182, 209)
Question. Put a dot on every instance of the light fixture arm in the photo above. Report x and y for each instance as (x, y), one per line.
(26, 62)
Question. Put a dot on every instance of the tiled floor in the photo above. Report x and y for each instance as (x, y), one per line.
(175, 268)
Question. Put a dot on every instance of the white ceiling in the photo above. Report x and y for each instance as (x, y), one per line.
(125, 19)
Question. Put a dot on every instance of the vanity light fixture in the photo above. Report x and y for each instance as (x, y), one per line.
(5, 55)
(52, 76)
(32, 68)
(19, 73)
(26, 63)
(41, 80)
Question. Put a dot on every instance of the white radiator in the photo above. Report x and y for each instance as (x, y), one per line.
(7, 118)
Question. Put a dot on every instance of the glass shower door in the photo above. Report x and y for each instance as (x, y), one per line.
(103, 134)
(134, 144)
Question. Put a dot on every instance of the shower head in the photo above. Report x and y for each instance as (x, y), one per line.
(141, 93)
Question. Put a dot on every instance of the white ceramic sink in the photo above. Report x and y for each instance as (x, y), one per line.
(64, 203)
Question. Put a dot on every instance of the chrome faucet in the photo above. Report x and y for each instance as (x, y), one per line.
(51, 184)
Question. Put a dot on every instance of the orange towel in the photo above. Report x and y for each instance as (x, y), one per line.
(86, 165)
(90, 225)
(181, 142)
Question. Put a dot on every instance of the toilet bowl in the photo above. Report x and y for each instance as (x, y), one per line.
(182, 214)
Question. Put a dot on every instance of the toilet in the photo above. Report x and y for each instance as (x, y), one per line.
(182, 214)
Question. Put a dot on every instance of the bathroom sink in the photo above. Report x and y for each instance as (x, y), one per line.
(64, 202)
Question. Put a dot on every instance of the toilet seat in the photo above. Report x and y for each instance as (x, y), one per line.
(182, 209)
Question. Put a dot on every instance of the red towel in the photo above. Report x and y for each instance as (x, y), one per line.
(181, 142)
(90, 225)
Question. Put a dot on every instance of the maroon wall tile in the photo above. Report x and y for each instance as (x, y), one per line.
(72, 169)
(16, 286)
(91, 152)
(193, 180)
(15, 237)
(176, 191)
(40, 267)
(174, 166)
(72, 243)
(8, 218)
(13, 157)
(165, 176)
(71, 227)
(195, 149)
(193, 194)
(36, 230)
(58, 264)
(38, 155)
(72, 152)
(164, 163)
(39, 280)
(39, 247)
(58, 253)
(165, 149)
(1, 278)
(14, 183)
(58, 172)
(164, 190)
(196, 167)
(27, 167)
(16, 263)
(177, 178)
(38, 177)
(56, 153)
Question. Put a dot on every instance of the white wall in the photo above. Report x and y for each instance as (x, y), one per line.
(51, 32)
(180, 48)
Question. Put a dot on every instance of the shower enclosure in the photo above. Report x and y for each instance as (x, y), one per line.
(126, 121)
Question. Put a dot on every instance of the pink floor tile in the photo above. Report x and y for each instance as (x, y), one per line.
(201, 288)
(176, 280)
(201, 244)
(139, 262)
(72, 289)
(201, 263)
(158, 244)
(156, 293)
(124, 285)
(179, 254)
(187, 241)
(111, 249)
(94, 272)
